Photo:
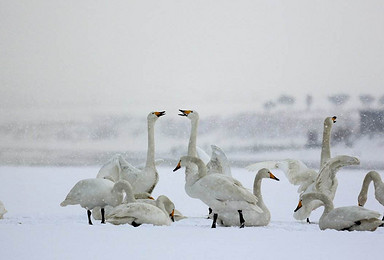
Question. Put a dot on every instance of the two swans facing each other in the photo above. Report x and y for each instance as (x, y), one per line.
(350, 218)
(252, 218)
(219, 192)
(96, 192)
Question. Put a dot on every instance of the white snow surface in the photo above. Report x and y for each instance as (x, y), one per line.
(36, 227)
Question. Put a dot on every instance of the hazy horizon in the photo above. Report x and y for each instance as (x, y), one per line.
(204, 55)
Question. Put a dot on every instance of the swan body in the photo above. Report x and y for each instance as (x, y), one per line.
(252, 218)
(2, 210)
(217, 162)
(142, 180)
(96, 192)
(325, 183)
(221, 193)
(351, 218)
(379, 188)
(135, 213)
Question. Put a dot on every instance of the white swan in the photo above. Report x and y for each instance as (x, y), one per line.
(135, 213)
(343, 218)
(218, 162)
(296, 171)
(96, 192)
(2, 210)
(326, 143)
(220, 192)
(252, 218)
(142, 180)
(379, 188)
(325, 183)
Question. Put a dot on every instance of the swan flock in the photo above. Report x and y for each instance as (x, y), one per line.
(120, 193)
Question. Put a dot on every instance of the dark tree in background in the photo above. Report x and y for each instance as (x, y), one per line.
(269, 105)
(339, 99)
(286, 100)
(366, 100)
(309, 101)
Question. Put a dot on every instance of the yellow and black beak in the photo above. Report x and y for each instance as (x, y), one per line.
(151, 198)
(273, 176)
(159, 114)
(334, 119)
(360, 205)
(298, 206)
(184, 112)
(172, 215)
(178, 166)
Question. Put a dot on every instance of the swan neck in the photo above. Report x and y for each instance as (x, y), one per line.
(326, 144)
(125, 186)
(257, 192)
(151, 145)
(193, 138)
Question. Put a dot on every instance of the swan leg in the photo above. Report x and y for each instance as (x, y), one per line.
(89, 213)
(209, 213)
(135, 224)
(214, 220)
(308, 221)
(102, 216)
(242, 221)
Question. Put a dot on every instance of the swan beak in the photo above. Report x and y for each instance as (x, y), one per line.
(151, 198)
(273, 176)
(159, 114)
(334, 119)
(298, 206)
(360, 205)
(172, 215)
(184, 112)
(178, 166)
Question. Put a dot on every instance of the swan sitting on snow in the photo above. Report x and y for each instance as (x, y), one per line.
(220, 192)
(2, 210)
(379, 188)
(135, 213)
(96, 192)
(343, 218)
(252, 218)
(142, 180)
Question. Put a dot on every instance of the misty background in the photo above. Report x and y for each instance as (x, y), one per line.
(78, 79)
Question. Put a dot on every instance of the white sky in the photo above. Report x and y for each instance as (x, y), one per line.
(151, 55)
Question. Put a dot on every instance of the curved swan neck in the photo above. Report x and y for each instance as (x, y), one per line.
(257, 186)
(326, 143)
(151, 145)
(328, 205)
(371, 176)
(202, 169)
(193, 138)
(123, 185)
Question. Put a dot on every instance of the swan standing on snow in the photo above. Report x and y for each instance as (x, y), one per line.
(221, 193)
(252, 218)
(142, 180)
(343, 218)
(379, 188)
(135, 213)
(218, 162)
(2, 210)
(91, 193)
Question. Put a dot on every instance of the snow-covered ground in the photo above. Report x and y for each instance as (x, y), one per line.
(36, 227)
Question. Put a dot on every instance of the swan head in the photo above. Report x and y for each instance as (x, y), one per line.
(265, 173)
(329, 121)
(187, 161)
(153, 116)
(168, 206)
(362, 199)
(190, 114)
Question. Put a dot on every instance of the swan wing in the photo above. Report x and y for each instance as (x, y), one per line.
(202, 155)
(110, 170)
(219, 162)
(326, 181)
(296, 171)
